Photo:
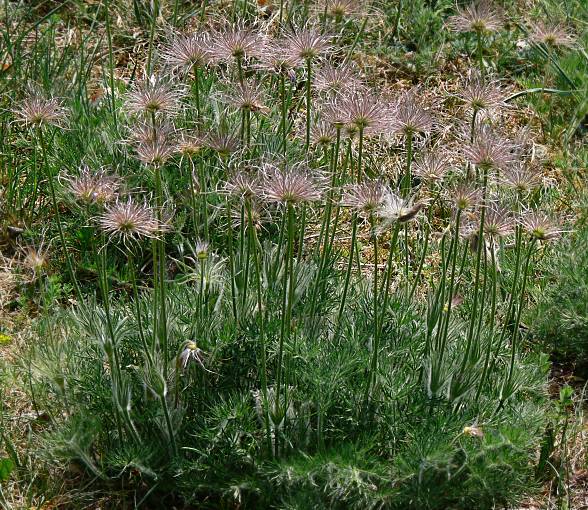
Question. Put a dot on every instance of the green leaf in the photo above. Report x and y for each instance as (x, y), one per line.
(6, 468)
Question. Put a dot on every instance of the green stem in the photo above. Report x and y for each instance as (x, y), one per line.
(308, 99)
(376, 347)
(110, 62)
(154, 15)
(287, 295)
(68, 262)
(260, 312)
(284, 112)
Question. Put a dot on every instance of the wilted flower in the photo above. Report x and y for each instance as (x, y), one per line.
(473, 431)
(190, 353)
(128, 221)
(291, 186)
(36, 259)
(153, 97)
(481, 16)
(307, 44)
(540, 226)
(93, 187)
(409, 117)
(336, 80)
(247, 96)
(366, 197)
(235, 43)
(431, 165)
(550, 35)
(39, 111)
(396, 209)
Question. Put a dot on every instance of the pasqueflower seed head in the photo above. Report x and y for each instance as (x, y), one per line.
(153, 97)
(185, 52)
(409, 116)
(290, 186)
(235, 43)
(247, 96)
(489, 149)
(243, 185)
(540, 226)
(93, 187)
(481, 16)
(551, 35)
(520, 178)
(398, 210)
(307, 44)
(363, 111)
(431, 165)
(37, 110)
(365, 198)
(481, 94)
(129, 221)
(332, 79)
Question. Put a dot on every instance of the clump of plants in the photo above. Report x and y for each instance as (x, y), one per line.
(560, 318)
(287, 280)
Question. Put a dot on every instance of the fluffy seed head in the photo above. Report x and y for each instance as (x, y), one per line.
(247, 96)
(322, 134)
(339, 9)
(154, 96)
(37, 110)
(291, 186)
(520, 178)
(431, 165)
(129, 221)
(336, 80)
(189, 144)
(185, 52)
(489, 149)
(464, 197)
(35, 259)
(551, 35)
(540, 226)
(499, 222)
(235, 43)
(277, 58)
(481, 16)
(395, 209)
(242, 185)
(366, 197)
(481, 94)
(224, 144)
(307, 44)
(409, 116)
(363, 111)
(93, 187)
(156, 151)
